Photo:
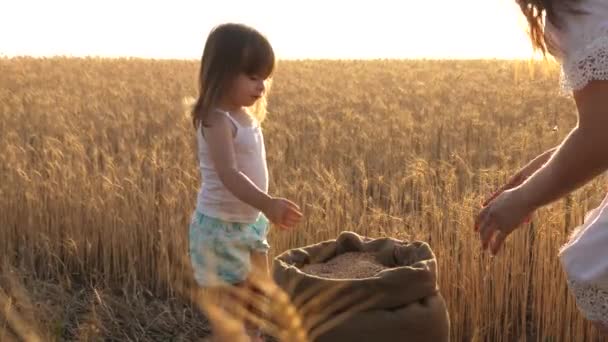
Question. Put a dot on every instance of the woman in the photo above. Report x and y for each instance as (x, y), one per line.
(576, 33)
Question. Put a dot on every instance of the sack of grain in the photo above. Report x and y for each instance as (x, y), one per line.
(399, 276)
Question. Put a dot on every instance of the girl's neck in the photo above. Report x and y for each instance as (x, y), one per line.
(229, 107)
(234, 110)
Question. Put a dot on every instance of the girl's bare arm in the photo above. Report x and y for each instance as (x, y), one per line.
(221, 149)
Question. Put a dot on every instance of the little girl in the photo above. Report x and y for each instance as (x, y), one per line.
(228, 231)
(576, 33)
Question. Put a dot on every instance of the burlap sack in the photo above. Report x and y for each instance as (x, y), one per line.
(407, 304)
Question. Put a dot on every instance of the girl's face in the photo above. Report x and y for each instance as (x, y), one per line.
(247, 89)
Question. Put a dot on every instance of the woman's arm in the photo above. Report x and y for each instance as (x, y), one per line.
(582, 156)
(523, 174)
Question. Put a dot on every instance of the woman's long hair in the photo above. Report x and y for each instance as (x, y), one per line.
(537, 12)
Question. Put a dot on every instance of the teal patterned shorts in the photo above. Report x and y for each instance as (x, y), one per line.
(220, 250)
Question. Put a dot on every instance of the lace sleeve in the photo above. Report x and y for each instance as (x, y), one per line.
(586, 64)
(591, 301)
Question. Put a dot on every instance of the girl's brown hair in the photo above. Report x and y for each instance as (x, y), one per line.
(231, 49)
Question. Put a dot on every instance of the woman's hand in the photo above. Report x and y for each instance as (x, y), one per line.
(500, 217)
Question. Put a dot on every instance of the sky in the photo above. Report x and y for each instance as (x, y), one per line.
(356, 29)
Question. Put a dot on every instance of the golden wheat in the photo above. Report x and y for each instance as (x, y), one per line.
(98, 174)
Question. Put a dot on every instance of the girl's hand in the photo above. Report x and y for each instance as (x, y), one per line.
(283, 212)
(500, 217)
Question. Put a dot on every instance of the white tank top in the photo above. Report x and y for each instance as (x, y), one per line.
(214, 199)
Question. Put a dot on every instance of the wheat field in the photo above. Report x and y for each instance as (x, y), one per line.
(98, 180)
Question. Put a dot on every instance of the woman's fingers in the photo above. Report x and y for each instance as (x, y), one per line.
(498, 241)
(486, 227)
(481, 217)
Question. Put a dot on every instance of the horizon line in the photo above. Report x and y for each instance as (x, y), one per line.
(286, 59)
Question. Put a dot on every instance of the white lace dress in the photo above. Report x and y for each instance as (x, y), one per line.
(585, 261)
(581, 45)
